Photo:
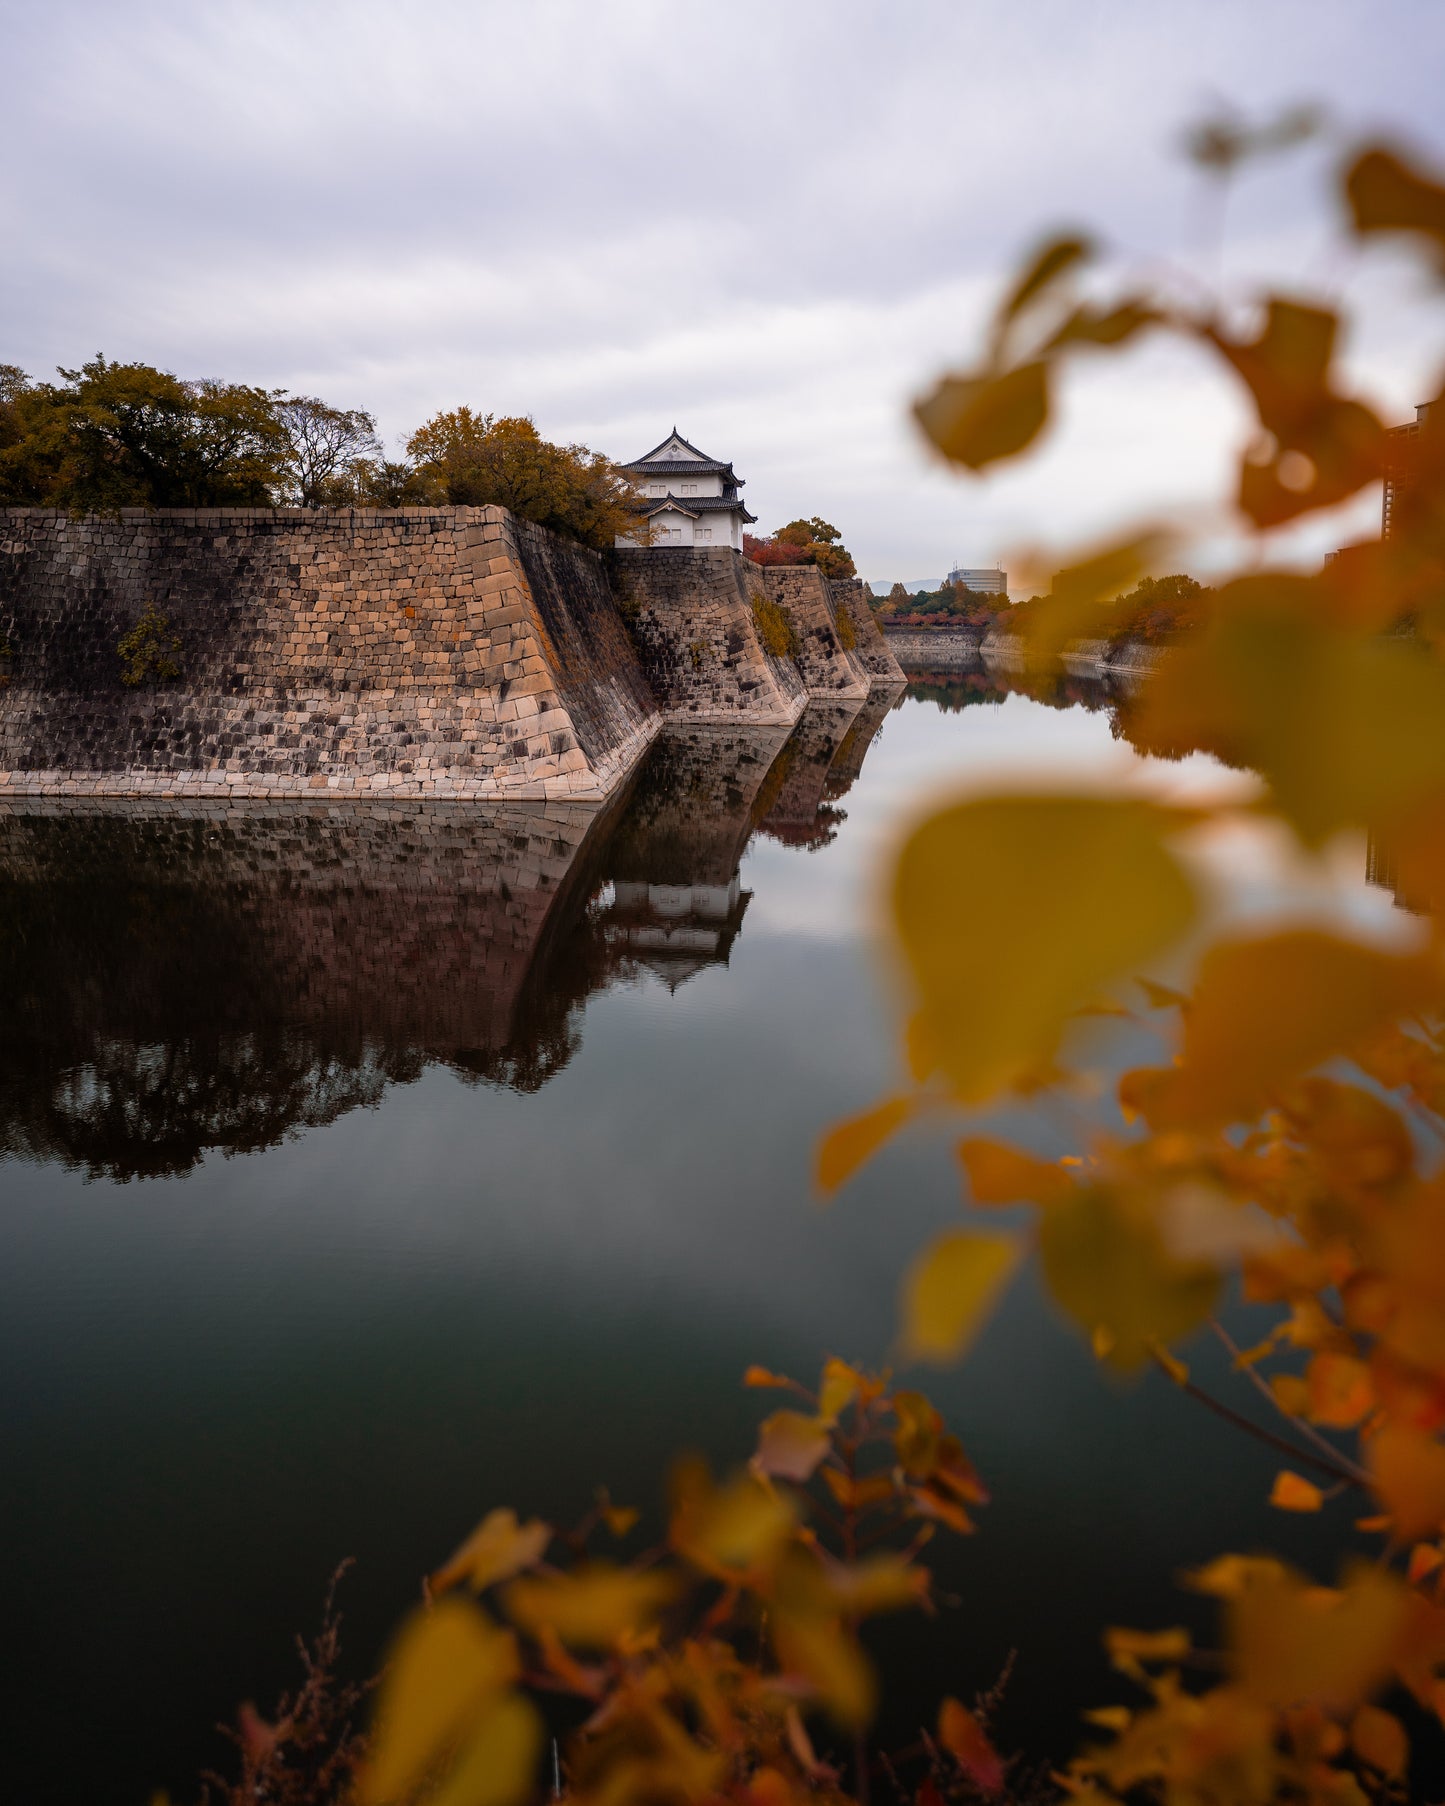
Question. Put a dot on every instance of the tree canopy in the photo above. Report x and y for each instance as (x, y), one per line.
(479, 460)
(811, 541)
(125, 435)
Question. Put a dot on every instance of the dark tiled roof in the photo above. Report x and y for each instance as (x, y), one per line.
(663, 467)
(699, 504)
(674, 434)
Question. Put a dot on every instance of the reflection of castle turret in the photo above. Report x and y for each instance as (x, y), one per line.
(675, 903)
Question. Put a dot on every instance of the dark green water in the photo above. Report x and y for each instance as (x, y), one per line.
(362, 1178)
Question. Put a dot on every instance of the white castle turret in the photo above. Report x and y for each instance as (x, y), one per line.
(692, 499)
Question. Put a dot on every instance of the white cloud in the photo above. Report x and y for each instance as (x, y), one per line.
(770, 224)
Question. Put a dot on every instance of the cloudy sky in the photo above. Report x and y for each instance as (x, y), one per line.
(768, 221)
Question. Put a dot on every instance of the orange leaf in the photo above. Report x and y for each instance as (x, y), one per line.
(1000, 1174)
(1293, 1493)
(848, 1145)
(1378, 1738)
(1340, 1390)
(1408, 1473)
(967, 1742)
(759, 1376)
(1386, 195)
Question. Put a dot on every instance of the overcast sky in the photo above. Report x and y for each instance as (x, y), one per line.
(769, 222)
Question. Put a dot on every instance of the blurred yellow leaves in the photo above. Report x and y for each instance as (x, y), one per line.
(1292, 1492)
(592, 1607)
(1407, 1470)
(1107, 1265)
(1266, 1011)
(951, 1289)
(848, 1145)
(1386, 194)
(1000, 1174)
(446, 1715)
(497, 1549)
(1013, 912)
(977, 420)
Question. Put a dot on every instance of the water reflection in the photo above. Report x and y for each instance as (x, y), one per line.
(191, 977)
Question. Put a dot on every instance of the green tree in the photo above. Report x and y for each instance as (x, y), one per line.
(478, 460)
(129, 435)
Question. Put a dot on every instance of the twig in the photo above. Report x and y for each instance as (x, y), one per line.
(1349, 1469)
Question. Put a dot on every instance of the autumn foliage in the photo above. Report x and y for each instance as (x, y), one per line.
(1285, 1138)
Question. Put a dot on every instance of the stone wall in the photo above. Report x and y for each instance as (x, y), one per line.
(690, 612)
(932, 648)
(412, 652)
(826, 666)
(871, 647)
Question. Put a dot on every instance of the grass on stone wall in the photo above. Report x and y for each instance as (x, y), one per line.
(775, 630)
(847, 633)
(148, 650)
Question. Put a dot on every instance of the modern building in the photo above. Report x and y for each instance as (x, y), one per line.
(1400, 439)
(692, 499)
(992, 583)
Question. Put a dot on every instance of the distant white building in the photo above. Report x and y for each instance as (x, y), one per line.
(992, 583)
(692, 499)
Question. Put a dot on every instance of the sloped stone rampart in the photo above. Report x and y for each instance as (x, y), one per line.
(871, 648)
(690, 613)
(825, 665)
(412, 652)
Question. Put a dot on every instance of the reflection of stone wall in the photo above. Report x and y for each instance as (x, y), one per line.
(416, 652)
(696, 802)
(800, 815)
(690, 613)
(198, 976)
(862, 732)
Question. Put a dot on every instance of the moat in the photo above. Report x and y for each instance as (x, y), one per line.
(369, 1166)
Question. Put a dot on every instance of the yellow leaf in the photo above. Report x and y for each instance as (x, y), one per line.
(497, 1765)
(882, 1583)
(990, 874)
(976, 420)
(619, 1519)
(951, 1289)
(1147, 1645)
(1344, 728)
(591, 1608)
(1106, 1265)
(965, 1739)
(1387, 195)
(1160, 997)
(1378, 1738)
(839, 1388)
(497, 1549)
(1407, 1470)
(1265, 1011)
(446, 1667)
(1000, 1174)
(731, 1530)
(825, 1654)
(1227, 1576)
(1292, 1492)
(1295, 1643)
(791, 1444)
(1081, 596)
(847, 1145)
